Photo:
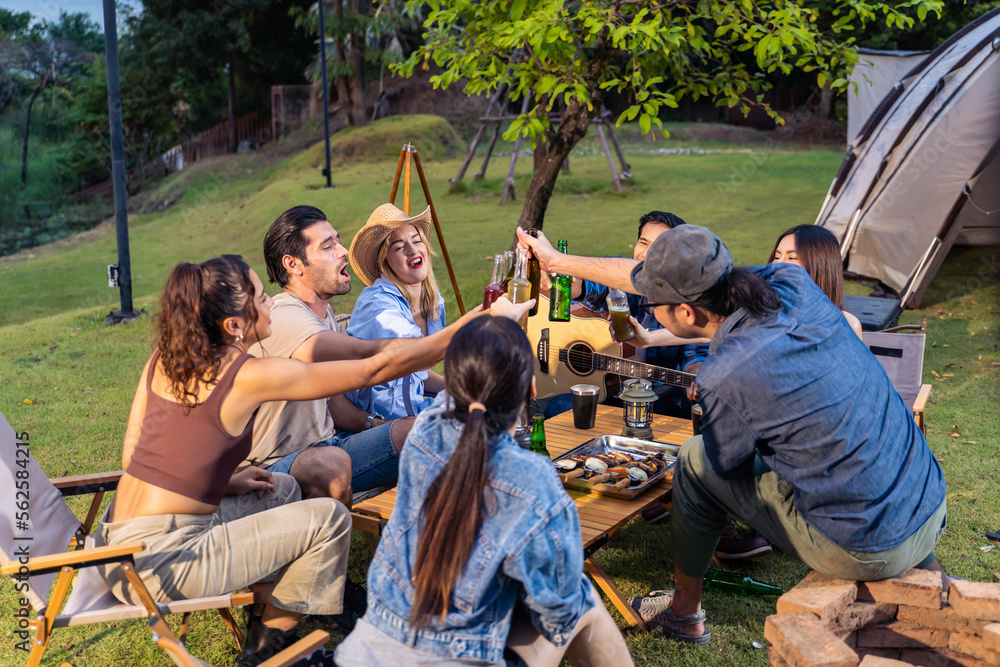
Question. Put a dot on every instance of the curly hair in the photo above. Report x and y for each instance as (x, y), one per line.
(196, 301)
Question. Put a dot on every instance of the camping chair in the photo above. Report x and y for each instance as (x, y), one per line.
(902, 357)
(37, 529)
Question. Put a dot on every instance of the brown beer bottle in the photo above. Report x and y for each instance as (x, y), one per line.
(534, 275)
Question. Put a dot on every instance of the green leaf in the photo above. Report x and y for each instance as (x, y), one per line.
(517, 9)
(644, 123)
(821, 79)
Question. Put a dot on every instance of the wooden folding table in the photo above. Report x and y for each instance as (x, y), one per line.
(600, 516)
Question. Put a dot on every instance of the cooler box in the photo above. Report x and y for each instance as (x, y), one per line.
(874, 312)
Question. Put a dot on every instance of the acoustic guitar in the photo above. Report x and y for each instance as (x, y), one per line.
(582, 350)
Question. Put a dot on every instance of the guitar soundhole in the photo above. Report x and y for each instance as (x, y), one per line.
(580, 358)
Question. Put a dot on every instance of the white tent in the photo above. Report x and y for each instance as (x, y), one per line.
(922, 172)
(874, 75)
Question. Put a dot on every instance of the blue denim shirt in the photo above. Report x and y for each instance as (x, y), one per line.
(529, 549)
(675, 357)
(382, 312)
(800, 388)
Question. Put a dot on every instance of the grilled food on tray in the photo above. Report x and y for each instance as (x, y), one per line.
(613, 467)
(596, 464)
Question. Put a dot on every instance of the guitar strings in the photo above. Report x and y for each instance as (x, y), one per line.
(671, 376)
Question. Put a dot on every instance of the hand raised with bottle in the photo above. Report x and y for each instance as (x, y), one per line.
(503, 307)
(540, 246)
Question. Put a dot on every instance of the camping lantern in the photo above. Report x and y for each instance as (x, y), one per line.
(638, 398)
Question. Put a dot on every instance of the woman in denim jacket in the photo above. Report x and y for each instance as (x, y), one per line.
(482, 560)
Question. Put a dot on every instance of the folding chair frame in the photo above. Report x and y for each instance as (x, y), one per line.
(67, 564)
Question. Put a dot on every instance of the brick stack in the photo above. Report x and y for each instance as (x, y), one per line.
(908, 620)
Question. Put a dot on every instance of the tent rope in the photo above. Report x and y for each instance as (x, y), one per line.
(967, 191)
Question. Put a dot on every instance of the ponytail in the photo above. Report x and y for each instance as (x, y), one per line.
(740, 288)
(488, 373)
(453, 513)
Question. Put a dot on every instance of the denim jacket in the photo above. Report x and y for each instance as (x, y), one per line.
(529, 549)
(382, 312)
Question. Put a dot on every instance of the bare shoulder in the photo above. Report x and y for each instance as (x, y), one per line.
(853, 321)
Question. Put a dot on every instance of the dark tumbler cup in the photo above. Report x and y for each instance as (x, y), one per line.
(584, 405)
(696, 419)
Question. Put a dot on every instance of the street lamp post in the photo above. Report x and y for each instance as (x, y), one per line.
(326, 94)
(123, 271)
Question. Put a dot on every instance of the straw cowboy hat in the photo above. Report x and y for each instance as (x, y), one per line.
(383, 221)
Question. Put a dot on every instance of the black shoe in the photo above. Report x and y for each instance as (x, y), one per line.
(656, 513)
(264, 642)
(355, 605)
(733, 545)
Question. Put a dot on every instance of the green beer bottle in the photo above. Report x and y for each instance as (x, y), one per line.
(538, 436)
(560, 294)
(738, 584)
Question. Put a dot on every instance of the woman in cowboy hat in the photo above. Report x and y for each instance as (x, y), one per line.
(392, 256)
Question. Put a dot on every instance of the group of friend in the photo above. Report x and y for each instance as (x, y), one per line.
(803, 439)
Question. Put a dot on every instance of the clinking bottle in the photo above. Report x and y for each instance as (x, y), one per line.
(534, 275)
(519, 289)
(561, 293)
(494, 290)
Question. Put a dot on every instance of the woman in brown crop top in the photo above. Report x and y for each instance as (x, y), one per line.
(209, 530)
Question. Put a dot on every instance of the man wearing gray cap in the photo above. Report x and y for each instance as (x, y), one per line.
(803, 437)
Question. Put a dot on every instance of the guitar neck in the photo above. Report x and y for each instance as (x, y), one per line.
(637, 369)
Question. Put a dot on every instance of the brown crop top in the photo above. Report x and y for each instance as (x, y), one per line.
(190, 454)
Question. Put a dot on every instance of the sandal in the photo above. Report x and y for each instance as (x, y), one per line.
(656, 611)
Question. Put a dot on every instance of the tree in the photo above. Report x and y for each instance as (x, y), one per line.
(574, 52)
(359, 40)
(44, 55)
(250, 42)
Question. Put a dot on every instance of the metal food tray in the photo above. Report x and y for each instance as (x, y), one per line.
(632, 446)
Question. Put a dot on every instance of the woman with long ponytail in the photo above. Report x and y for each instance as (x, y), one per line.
(482, 559)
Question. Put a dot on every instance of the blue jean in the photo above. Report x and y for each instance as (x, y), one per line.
(374, 460)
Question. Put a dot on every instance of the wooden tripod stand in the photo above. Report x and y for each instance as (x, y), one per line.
(407, 156)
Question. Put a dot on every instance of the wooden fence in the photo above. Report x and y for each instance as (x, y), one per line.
(251, 128)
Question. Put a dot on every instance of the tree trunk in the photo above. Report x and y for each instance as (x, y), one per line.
(540, 150)
(27, 128)
(340, 55)
(233, 144)
(825, 102)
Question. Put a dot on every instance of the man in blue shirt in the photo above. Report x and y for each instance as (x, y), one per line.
(803, 436)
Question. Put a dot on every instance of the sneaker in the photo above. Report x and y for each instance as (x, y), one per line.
(732, 545)
(651, 606)
(355, 605)
(263, 643)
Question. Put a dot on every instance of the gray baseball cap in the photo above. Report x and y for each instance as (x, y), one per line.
(682, 264)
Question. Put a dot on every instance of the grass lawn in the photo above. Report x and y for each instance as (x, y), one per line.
(69, 381)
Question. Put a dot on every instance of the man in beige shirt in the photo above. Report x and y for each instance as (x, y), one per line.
(304, 255)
